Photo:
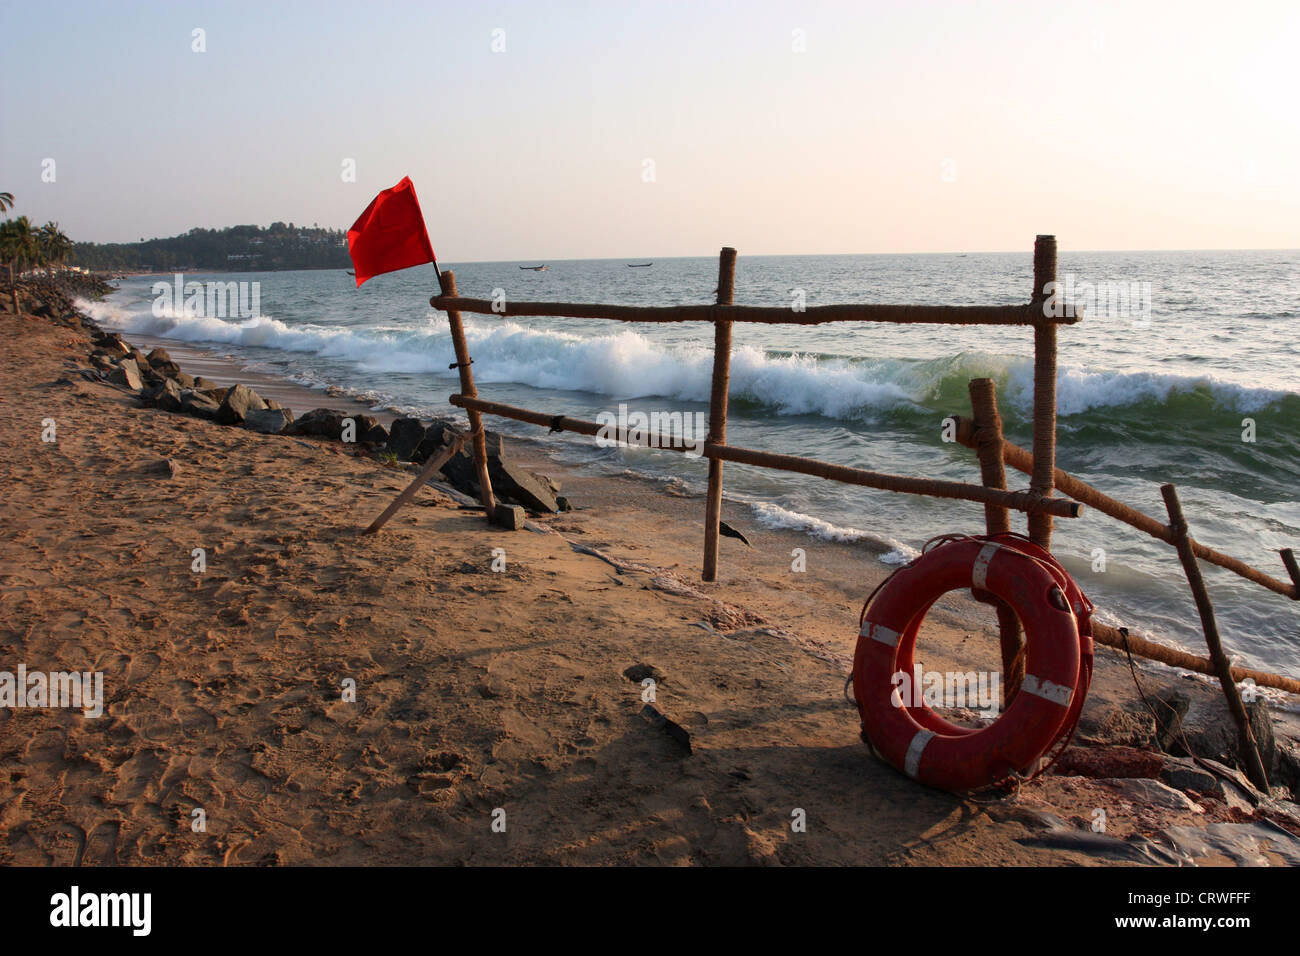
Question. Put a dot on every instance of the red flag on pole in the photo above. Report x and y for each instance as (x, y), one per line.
(390, 234)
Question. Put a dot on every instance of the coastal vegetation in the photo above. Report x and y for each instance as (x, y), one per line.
(235, 249)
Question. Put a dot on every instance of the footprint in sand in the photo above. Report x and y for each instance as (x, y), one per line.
(101, 845)
(141, 775)
(142, 666)
(63, 843)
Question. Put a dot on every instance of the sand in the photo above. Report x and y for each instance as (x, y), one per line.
(482, 697)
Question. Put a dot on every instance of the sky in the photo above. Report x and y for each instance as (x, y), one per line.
(638, 129)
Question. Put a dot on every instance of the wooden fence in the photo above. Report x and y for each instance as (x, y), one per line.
(983, 433)
(1038, 502)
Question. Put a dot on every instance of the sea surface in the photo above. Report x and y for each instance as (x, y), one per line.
(1202, 389)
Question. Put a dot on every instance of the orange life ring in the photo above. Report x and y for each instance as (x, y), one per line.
(1054, 614)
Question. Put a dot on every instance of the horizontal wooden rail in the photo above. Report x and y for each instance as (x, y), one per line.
(1141, 647)
(1019, 500)
(1022, 460)
(814, 315)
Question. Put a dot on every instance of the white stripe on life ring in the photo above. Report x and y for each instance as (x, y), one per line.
(1056, 693)
(878, 632)
(979, 575)
(912, 762)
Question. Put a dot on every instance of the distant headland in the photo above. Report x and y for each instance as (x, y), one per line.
(279, 246)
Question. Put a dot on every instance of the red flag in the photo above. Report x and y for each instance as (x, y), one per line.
(390, 234)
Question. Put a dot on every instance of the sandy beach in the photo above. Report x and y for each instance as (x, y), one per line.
(482, 696)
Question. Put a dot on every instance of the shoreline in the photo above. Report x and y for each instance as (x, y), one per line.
(476, 689)
(537, 454)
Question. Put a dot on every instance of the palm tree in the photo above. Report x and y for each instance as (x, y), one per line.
(6, 201)
(19, 248)
(52, 244)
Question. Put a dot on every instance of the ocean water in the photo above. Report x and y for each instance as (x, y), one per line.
(1167, 395)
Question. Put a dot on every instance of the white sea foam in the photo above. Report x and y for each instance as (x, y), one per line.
(782, 519)
(627, 365)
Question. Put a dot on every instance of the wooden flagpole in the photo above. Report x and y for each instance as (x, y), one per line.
(448, 282)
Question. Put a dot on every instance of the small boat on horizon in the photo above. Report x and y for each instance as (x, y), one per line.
(541, 268)
(639, 265)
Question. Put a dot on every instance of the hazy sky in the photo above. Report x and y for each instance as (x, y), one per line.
(900, 127)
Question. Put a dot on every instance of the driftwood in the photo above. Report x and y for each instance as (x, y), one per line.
(448, 282)
(718, 411)
(433, 464)
(1021, 460)
(1205, 608)
(1028, 315)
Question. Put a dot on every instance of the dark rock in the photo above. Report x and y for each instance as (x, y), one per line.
(114, 346)
(562, 503)
(1261, 725)
(1149, 793)
(239, 401)
(204, 383)
(512, 483)
(510, 517)
(437, 436)
(639, 672)
(362, 425)
(199, 405)
(168, 396)
(376, 434)
(319, 423)
(217, 395)
(159, 356)
(404, 437)
(127, 373)
(1183, 773)
(272, 404)
(1171, 710)
(184, 379)
(1287, 768)
(1232, 783)
(268, 421)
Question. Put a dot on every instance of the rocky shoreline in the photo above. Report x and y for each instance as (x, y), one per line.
(160, 383)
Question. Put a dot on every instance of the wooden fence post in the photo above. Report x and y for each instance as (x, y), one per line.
(1041, 480)
(988, 447)
(1204, 607)
(718, 409)
(447, 279)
